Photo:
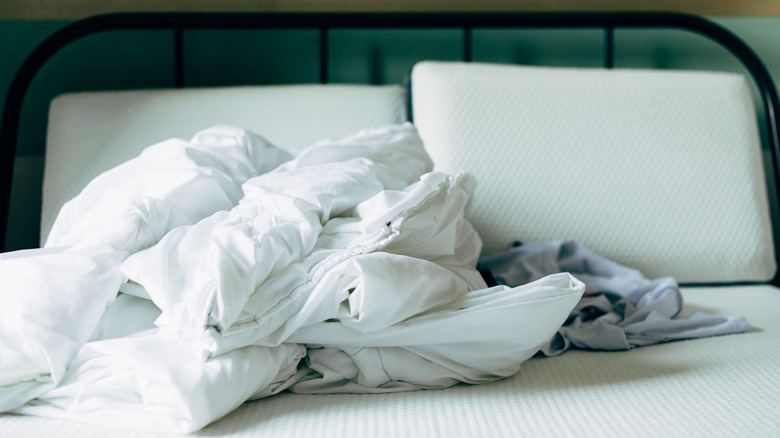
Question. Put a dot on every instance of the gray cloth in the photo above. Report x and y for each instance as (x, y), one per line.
(620, 308)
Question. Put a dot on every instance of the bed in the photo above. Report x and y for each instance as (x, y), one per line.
(668, 172)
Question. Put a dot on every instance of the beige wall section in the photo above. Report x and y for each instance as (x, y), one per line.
(73, 9)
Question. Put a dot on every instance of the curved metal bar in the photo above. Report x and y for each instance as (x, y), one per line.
(36, 60)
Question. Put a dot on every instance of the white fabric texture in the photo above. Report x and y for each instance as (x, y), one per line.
(89, 133)
(52, 299)
(712, 387)
(265, 256)
(211, 168)
(355, 246)
(643, 167)
(146, 382)
(126, 315)
(474, 339)
(49, 305)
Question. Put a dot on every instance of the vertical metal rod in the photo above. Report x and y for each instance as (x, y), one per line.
(178, 57)
(467, 44)
(324, 55)
(609, 47)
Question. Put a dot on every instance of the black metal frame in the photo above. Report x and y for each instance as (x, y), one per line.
(324, 22)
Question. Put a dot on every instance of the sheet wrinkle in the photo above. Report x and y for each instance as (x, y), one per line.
(355, 250)
(317, 274)
(56, 296)
(373, 207)
(619, 310)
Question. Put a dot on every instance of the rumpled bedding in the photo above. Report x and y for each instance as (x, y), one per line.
(245, 272)
(53, 298)
(620, 309)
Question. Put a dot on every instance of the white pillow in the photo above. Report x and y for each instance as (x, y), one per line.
(658, 170)
(92, 132)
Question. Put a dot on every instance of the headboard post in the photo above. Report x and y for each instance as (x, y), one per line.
(609, 47)
(467, 44)
(323, 53)
(178, 57)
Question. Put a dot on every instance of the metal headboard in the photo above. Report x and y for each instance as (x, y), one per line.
(177, 23)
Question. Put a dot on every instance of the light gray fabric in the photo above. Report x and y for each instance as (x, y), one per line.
(620, 309)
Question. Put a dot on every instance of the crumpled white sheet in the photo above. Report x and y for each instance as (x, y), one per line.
(52, 299)
(210, 168)
(146, 382)
(482, 336)
(353, 252)
(236, 277)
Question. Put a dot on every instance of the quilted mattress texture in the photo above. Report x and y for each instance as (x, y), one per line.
(710, 387)
(92, 132)
(657, 170)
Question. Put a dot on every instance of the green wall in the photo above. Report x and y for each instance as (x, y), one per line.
(117, 60)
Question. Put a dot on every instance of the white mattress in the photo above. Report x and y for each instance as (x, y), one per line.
(92, 132)
(657, 170)
(722, 386)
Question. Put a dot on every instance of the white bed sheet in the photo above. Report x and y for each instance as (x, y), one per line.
(722, 386)
(91, 132)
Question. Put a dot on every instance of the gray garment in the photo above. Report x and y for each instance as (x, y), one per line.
(620, 308)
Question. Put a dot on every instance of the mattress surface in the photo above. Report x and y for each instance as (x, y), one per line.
(642, 166)
(720, 386)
